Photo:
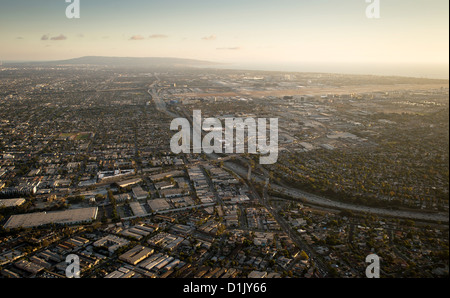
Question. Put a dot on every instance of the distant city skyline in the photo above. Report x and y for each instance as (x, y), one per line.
(321, 34)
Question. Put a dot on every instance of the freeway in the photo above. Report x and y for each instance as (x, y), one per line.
(160, 104)
(312, 199)
(306, 197)
(322, 269)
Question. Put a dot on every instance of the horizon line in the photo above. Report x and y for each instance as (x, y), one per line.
(258, 66)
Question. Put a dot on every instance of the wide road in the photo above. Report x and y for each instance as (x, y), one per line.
(159, 103)
(306, 197)
(312, 199)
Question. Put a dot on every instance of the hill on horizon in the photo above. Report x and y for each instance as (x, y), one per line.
(125, 61)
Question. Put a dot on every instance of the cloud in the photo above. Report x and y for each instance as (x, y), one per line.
(136, 37)
(158, 36)
(230, 49)
(59, 37)
(81, 35)
(19, 37)
(44, 37)
(212, 37)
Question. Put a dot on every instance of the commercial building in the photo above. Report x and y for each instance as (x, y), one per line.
(136, 254)
(173, 193)
(126, 183)
(159, 177)
(112, 243)
(121, 273)
(138, 209)
(19, 191)
(164, 185)
(257, 274)
(158, 205)
(139, 193)
(122, 197)
(166, 241)
(29, 266)
(69, 217)
(11, 203)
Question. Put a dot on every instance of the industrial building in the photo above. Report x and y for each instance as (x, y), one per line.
(158, 205)
(126, 183)
(121, 273)
(136, 254)
(138, 209)
(11, 202)
(112, 243)
(68, 217)
(139, 193)
(29, 266)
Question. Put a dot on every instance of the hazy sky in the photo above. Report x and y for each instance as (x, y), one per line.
(245, 31)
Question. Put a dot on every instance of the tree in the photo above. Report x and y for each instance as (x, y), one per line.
(304, 255)
(99, 198)
(76, 200)
(104, 216)
(409, 223)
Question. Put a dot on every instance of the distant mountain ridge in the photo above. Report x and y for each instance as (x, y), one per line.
(128, 61)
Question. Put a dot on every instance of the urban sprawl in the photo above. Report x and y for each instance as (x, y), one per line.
(86, 169)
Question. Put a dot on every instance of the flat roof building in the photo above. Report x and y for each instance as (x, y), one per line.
(159, 177)
(68, 217)
(136, 254)
(11, 202)
(29, 266)
(174, 192)
(111, 242)
(158, 205)
(139, 193)
(257, 274)
(126, 183)
(138, 209)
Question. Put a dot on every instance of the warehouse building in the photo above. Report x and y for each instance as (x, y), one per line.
(11, 202)
(29, 267)
(111, 242)
(136, 254)
(68, 217)
(130, 182)
(138, 209)
(158, 205)
(139, 193)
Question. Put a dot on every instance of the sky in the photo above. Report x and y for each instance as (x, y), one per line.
(246, 32)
